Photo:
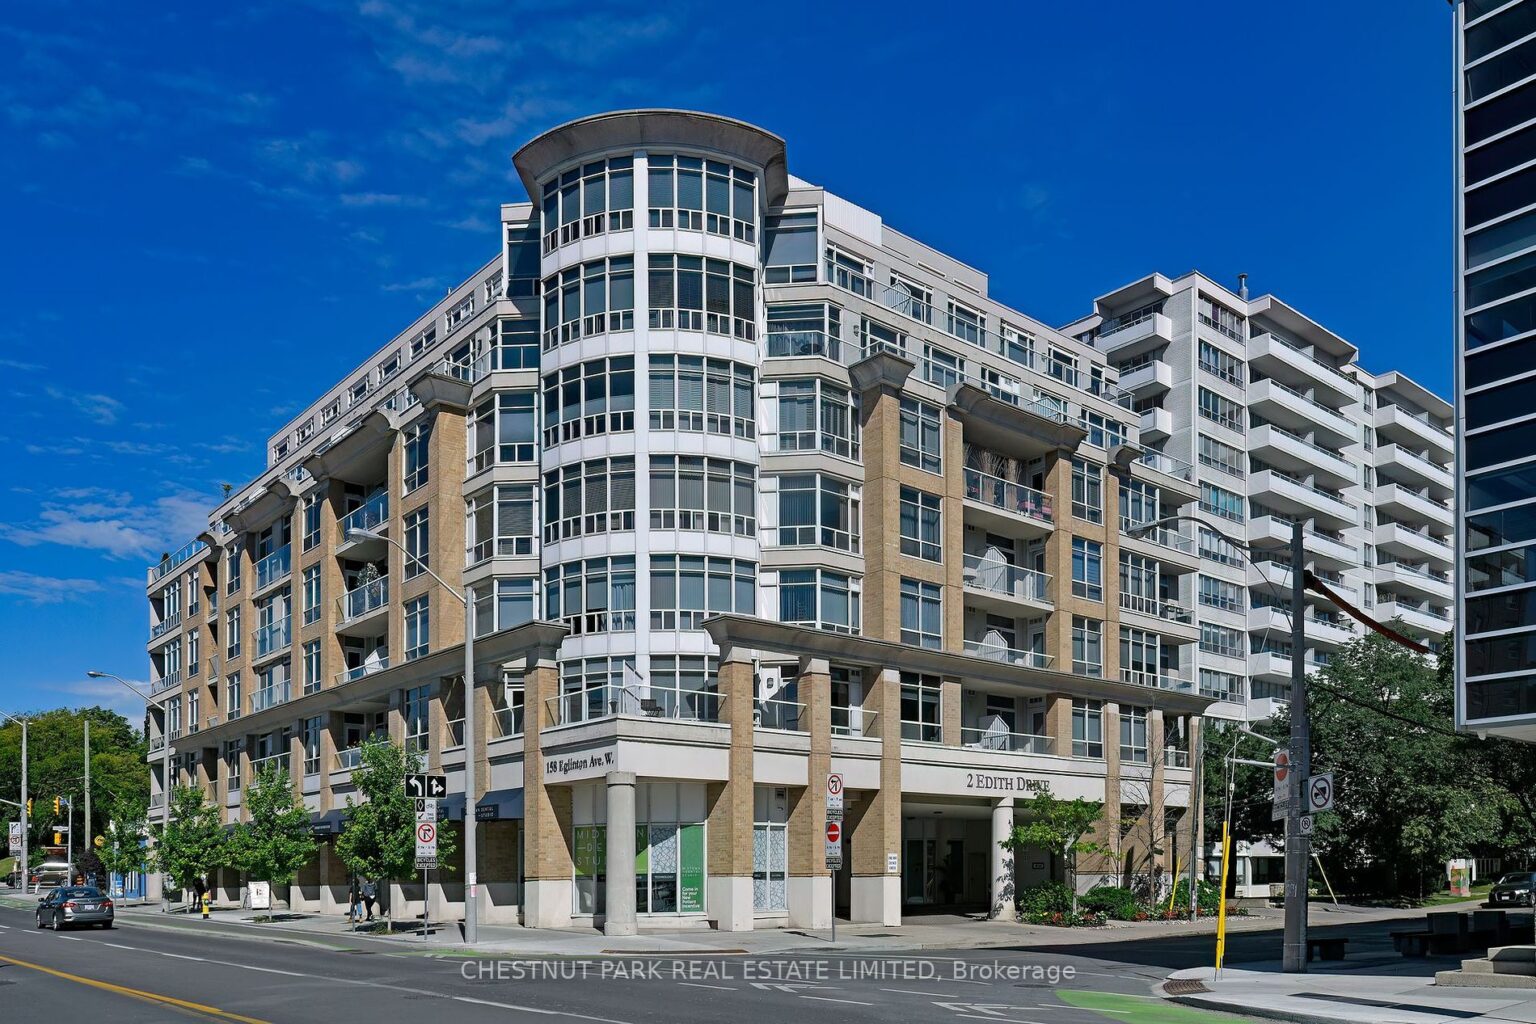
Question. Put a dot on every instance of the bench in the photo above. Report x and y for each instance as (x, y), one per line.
(1326, 949)
(1447, 932)
(1414, 943)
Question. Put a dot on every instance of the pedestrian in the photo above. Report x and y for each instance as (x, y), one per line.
(370, 896)
(355, 900)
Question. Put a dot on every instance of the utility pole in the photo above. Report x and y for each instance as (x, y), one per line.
(1294, 950)
(87, 821)
(1196, 799)
(26, 824)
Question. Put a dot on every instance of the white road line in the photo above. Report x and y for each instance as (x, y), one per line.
(829, 999)
(532, 1009)
(722, 988)
(996, 1020)
(178, 956)
(132, 949)
(70, 938)
(915, 992)
(264, 970)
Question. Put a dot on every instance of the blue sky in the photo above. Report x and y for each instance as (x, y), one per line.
(207, 205)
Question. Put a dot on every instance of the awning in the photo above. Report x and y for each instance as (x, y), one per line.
(500, 805)
(328, 823)
(451, 807)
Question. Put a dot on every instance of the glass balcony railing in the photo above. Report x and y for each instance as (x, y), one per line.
(270, 697)
(177, 558)
(1013, 742)
(1165, 463)
(373, 514)
(364, 599)
(348, 759)
(1163, 536)
(999, 652)
(1009, 496)
(1156, 680)
(1173, 757)
(1168, 611)
(365, 669)
(274, 637)
(274, 567)
(165, 625)
(998, 577)
(169, 681)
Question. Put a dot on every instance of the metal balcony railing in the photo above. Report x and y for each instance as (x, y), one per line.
(998, 577)
(998, 652)
(363, 599)
(1013, 742)
(1009, 496)
(373, 514)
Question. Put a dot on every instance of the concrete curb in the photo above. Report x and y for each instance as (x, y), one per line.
(1265, 1012)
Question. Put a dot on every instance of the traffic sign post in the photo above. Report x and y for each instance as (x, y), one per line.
(1319, 793)
(1306, 824)
(1280, 804)
(426, 860)
(835, 795)
(423, 786)
(15, 842)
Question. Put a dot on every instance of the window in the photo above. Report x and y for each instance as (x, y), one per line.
(312, 746)
(687, 589)
(414, 704)
(1087, 491)
(597, 297)
(714, 396)
(691, 293)
(1216, 639)
(820, 598)
(1220, 363)
(1133, 734)
(1141, 653)
(311, 666)
(770, 848)
(1139, 503)
(818, 415)
(1102, 432)
(1220, 594)
(418, 543)
(232, 705)
(357, 392)
(589, 200)
(921, 529)
(500, 520)
(850, 272)
(941, 367)
(1087, 728)
(685, 687)
(501, 430)
(311, 594)
(233, 749)
(702, 195)
(194, 712)
(1218, 548)
(1221, 685)
(416, 438)
(1222, 502)
(232, 569)
(595, 397)
(693, 493)
(588, 498)
(789, 248)
(815, 508)
(590, 688)
(922, 614)
(920, 708)
(909, 298)
(194, 642)
(1087, 646)
(1087, 569)
(966, 324)
(232, 633)
(920, 435)
(1221, 410)
(516, 346)
(592, 596)
(1224, 320)
(1220, 456)
(503, 603)
(311, 532)
(808, 329)
(418, 628)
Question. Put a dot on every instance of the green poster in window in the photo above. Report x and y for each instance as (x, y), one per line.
(591, 855)
(690, 889)
(642, 851)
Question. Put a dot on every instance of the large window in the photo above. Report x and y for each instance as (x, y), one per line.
(591, 688)
(502, 430)
(311, 594)
(808, 329)
(516, 345)
(1087, 569)
(232, 633)
(687, 589)
(1141, 653)
(1224, 320)
(503, 603)
(500, 520)
(232, 562)
(1139, 503)
(589, 498)
(311, 530)
(418, 543)
(311, 666)
(922, 614)
(1216, 593)
(1133, 734)
(417, 442)
(815, 508)
(689, 492)
(770, 848)
(966, 324)
(1221, 410)
(789, 248)
(702, 195)
(1222, 502)
(1087, 728)
(920, 435)
(312, 745)
(597, 297)
(595, 397)
(692, 293)
(685, 686)
(1220, 456)
(1087, 491)
(712, 396)
(815, 415)
(418, 627)
(596, 595)
(820, 598)
(1216, 639)
(1087, 646)
(921, 705)
(589, 200)
(850, 272)
(414, 705)
(921, 526)
(1220, 363)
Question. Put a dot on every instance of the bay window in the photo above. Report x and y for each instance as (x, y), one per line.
(815, 508)
(594, 397)
(693, 393)
(820, 598)
(589, 498)
(687, 589)
(595, 595)
(500, 522)
(501, 431)
(694, 493)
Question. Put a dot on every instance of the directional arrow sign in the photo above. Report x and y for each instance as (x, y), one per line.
(427, 786)
(1320, 793)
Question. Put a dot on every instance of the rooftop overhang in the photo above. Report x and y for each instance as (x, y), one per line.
(751, 633)
(273, 500)
(1303, 328)
(643, 129)
(1131, 296)
(1415, 393)
(359, 456)
(1023, 429)
(436, 390)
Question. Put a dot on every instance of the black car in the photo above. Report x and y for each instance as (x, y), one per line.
(1515, 889)
(74, 904)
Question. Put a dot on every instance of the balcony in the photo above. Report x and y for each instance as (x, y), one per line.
(348, 759)
(169, 681)
(1397, 576)
(1275, 666)
(1422, 617)
(274, 568)
(1331, 550)
(1395, 424)
(261, 764)
(995, 582)
(362, 605)
(1153, 378)
(164, 626)
(1166, 613)
(1288, 407)
(1403, 503)
(179, 557)
(1157, 680)
(274, 638)
(366, 669)
(808, 344)
(1276, 622)
(1416, 470)
(999, 652)
(1008, 507)
(1275, 357)
(271, 697)
(1399, 541)
(372, 515)
(1167, 464)
(1163, 542)
(1121, 335)
(1156, 425)
(1273, 488)
(1012, 742)
(1290, 451)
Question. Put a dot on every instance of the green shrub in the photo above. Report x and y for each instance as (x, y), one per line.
(1210, 896)
(1045, 898)
(1114, 902)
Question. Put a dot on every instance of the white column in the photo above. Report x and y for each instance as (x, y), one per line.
(619, 916)
(1003, 888)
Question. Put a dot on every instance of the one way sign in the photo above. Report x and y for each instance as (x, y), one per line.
(431, 787)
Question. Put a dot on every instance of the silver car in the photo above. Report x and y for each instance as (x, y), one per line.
(70, 905)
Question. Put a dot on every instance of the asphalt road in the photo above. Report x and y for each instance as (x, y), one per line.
(156, 972)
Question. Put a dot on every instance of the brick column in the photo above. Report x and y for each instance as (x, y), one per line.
(949, 711)
(730, 810)
(547, 865)
(810, 885)
(874, 824)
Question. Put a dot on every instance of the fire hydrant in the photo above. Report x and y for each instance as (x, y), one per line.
(206, 903)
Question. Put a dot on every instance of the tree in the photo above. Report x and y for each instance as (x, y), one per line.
(276, 841)
(123, 849)
(193, 844)
(378, 840)
(1058, 827)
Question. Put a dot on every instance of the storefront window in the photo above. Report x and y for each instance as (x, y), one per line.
(770, 849)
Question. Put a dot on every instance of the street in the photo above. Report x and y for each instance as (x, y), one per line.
(163, 970)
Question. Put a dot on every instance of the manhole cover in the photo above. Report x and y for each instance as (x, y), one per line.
(1184, 987)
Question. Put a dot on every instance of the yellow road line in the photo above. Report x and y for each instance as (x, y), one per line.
(123, 990)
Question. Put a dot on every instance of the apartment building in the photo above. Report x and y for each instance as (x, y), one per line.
(745, 487)
(1495, 143)
(1283, 425)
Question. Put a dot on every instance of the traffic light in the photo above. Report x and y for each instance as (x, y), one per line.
(29, 807)
(58, 839)
(56, 804)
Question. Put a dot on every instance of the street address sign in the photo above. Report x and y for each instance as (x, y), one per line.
(834, 795)
(424, 786)
(1319, 793)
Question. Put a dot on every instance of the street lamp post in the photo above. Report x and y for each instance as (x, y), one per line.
(1294, 944)
(165, 776)
(26, 866)
(471, 855)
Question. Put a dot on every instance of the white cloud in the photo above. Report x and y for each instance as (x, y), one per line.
(104, 409)
(97, 520)
(36, 589)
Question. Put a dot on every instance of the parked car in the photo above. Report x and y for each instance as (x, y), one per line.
(69, 905)
(50, 872)
(1514, 889)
